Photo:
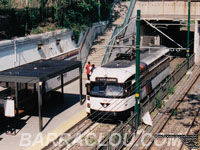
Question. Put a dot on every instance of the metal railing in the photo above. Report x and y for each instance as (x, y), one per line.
(117, 31)
(87, 40)
(108, 49)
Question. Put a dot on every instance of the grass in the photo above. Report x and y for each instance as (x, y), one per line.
(170, 90)
(159, 101)
(177, 66)
(175, 112)
(44, 29)
(186, 75)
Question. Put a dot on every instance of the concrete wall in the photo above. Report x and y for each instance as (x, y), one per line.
(24, 50)
(197, 41)
(168, 9)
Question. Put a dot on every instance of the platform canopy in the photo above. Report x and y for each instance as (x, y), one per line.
(37, 73)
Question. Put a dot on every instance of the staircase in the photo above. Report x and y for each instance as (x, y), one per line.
(97, 52)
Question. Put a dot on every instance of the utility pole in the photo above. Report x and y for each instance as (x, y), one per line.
(188, 36)
(137, 76)
(99, 9)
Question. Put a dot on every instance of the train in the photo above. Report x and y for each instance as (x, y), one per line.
(111, 89)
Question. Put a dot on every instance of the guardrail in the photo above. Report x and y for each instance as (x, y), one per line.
(118, 30)
(108, 49)
(149, 104)
(129, 128)
(90, 34)
(128, 15)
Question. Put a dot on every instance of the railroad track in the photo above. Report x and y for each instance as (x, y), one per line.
(83, 128)
(80, 127)
(161, 118)
(191, 125)
(75, 136)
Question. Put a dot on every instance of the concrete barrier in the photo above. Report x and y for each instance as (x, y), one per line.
(35, 47)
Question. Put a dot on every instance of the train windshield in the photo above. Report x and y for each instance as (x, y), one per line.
(106, 90)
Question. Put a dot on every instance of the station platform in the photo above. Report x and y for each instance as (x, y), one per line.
(57, 119)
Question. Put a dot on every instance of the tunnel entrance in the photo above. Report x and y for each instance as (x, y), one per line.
(174, 29)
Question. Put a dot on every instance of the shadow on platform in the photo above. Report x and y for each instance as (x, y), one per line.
(51, 108)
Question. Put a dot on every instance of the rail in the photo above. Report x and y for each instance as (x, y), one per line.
(148, 104)
(59, 143)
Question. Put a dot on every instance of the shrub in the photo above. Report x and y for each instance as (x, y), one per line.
(171, 89)
(159, 101)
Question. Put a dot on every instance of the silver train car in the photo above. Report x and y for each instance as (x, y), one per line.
(111, 88)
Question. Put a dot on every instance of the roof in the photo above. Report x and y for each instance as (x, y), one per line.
(38, 71)
(119, 64)
(120, 73)
(123, 69)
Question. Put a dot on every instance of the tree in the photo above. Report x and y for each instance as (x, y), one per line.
(5, 4)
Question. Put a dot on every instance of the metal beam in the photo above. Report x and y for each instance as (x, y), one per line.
(34, 88)
(40, 105)
(17, 102)
(62, 88)
(137, 74)
(142, 47)
(188, 37)
(80, 85)
(26, 86)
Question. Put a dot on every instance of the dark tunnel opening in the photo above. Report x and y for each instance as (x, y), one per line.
(173, 29)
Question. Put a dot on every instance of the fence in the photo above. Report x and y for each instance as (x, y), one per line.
(118, 31)
(149, 104)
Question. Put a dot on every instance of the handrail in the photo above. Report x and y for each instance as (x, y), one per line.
(118, 31)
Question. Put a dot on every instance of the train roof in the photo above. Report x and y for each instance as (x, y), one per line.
(123, 69)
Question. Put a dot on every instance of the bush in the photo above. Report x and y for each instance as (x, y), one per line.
(171, 89)
(175, 112)
(159, 101)
(65, 14)
(177, 66)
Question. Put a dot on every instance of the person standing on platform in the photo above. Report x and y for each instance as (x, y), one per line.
(88, 70)
(93, 67)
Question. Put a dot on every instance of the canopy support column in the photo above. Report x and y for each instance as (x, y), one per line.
(80, 84)
(62, 87)
(17, 102)
(40, 106)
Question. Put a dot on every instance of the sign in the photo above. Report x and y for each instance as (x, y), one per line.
(99, 79)
(9, 108)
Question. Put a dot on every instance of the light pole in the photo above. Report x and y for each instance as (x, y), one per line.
(137, 76)
(99, 9)
(188, 36)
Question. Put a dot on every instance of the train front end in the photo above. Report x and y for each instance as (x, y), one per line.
(107, 94)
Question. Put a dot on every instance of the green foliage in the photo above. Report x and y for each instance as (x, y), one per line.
(36, 31)
(159, 101)
(4, 3)
(177, 66)
(170, 89)
(76, 31)
(63, 13)
(175, 112)
(85, 7)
